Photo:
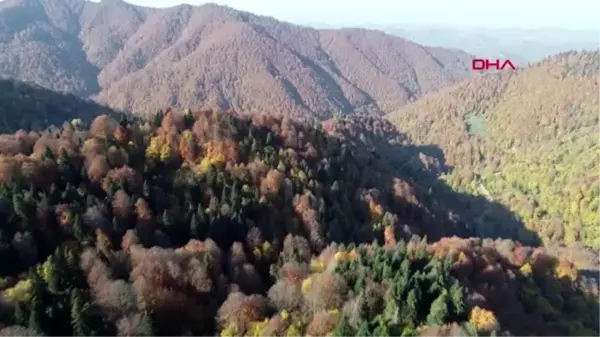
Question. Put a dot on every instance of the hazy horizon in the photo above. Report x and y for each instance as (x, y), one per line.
(532, 14)
(524, 35)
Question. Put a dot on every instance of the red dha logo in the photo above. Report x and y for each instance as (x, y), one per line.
(481, 64)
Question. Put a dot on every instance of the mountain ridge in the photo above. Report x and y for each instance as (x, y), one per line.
(210, 54)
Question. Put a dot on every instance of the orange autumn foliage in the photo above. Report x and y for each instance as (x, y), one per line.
(187, 146)
(64, 215)
(142, 209)
(103, 126)
(389, 236)
(8, 169)
(227, 148)
(272, 182)
(93, 147)
(375, 209)
(98, 168)
(128, 240)
(122, 135)
(564, 269)
(172, 121)
(123, 175)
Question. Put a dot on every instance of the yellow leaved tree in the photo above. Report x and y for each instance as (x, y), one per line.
(153, 151)
(483, 320)
(564, 269)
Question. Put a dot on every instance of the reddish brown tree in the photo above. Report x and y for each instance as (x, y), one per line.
(103, 126)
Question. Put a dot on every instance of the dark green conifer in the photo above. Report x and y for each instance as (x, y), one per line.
(439, 310)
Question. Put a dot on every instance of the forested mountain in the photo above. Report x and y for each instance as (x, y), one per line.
(254, 222)
(30, 107)
(137, 58)
(204, 223)
(527, 139)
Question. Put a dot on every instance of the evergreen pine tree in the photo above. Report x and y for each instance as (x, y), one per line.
(387, 272)
(36, 315)
(78, 230)
(234, 196)
(63, 160)
(52, 194)
(360, 282)
(343, 328)
(408, 331)
(411, 307)
(146, 327)
(21, 314)
(89, 200)
(269, 140)
(188, 118)
(194, 227)
(211, 175)
(116, 226)
(19, 205)
(470, 329)
(158, 118)
(78, 311)
(200, 214)
(49, 154)
(123, 122)
(457, 299)
(52, 274)
(382, 328)
(167, 219)
(363, 330)
(439, 310)
(391, 311)
(86, 319)
(112, 189)
(224, 195)
(147, 190)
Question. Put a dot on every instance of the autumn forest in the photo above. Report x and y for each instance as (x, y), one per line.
(203, 223)
(205, 171)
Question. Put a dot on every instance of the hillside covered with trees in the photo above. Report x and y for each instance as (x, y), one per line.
(31, 107)
(204, 223)
(526, 139)
(137, 58)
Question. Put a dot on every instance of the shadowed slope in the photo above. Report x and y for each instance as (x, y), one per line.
(28, 106)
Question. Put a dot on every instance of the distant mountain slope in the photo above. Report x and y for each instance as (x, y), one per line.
(28, 106)
(527, 139)
(214, 55)
(38, 43)
(519, 45)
